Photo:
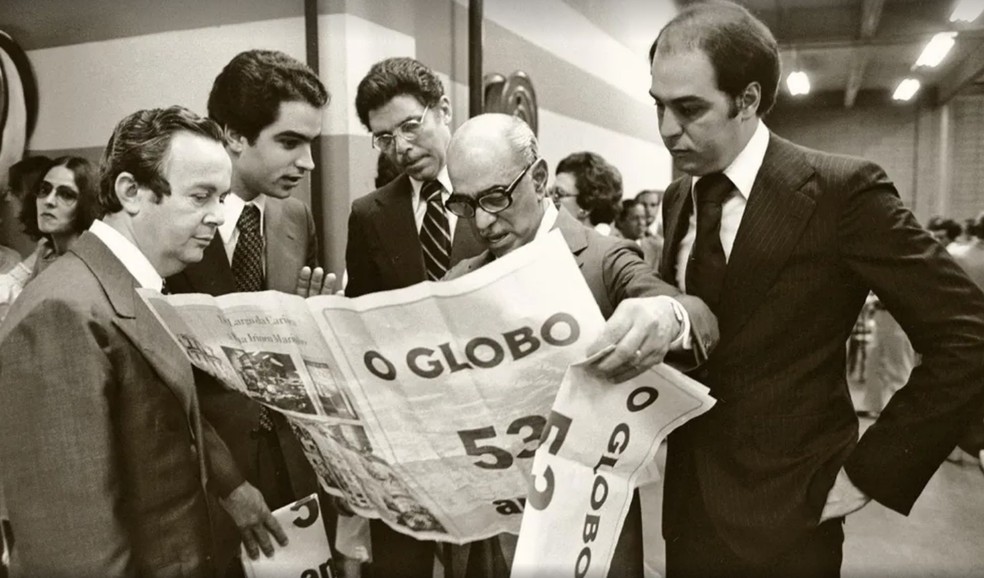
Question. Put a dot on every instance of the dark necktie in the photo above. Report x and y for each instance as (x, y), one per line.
(247, 259)
(435, 234)
(705, 270)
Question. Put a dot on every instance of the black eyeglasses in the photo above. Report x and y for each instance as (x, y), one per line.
(63, 193)
(492, 200)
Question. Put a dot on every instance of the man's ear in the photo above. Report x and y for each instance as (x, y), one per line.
(128, 192)
(444, 105)
(541, 175)
(235, 142)
(750, 100)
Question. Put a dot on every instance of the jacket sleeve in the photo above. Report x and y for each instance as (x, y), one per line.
(58, 445)
(357, 256)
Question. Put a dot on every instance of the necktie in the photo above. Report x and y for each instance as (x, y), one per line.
(705, 270)
(435, 234)
(247, 259)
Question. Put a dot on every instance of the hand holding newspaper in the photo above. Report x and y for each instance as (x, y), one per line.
(423, 406)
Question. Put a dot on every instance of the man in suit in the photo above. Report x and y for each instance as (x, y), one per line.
(400, 234)
(500, 190)
(100, 438)
(269, 106)
(784, 244)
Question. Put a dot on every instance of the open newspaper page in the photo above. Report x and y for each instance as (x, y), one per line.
(600, 444)
(452, 382)
(422, 406)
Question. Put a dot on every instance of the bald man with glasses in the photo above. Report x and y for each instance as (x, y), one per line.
(500, 185)
(401, 234)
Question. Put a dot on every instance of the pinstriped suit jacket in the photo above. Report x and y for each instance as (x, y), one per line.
(819, 231)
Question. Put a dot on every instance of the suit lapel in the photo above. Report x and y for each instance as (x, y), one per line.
(774, 218)
(675, 223)
(465, 243)
(135, 320)
(284, 249)
(396, 231)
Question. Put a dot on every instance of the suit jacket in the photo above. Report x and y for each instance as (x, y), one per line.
(972, 261)
(383, 250)
(290, 243)
(819, 231)
(100, 437)
(614, 271)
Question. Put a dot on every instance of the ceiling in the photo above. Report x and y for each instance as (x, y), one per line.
(851, 49)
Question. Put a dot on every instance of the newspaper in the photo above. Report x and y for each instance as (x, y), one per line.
(600, 444)
(307, 546)
(424, 406)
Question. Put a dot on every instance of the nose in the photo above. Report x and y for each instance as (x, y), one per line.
(400, 144)
(305, 159)
(483, 220)
(215, 215)
(669, 127)
(50, 198)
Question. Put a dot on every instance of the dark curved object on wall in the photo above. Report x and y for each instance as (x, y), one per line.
(514, 95)
(28, 81)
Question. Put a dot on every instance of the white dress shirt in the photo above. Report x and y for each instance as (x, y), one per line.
(232, 208)
(420, 208)
(132, 258)
(742, 172)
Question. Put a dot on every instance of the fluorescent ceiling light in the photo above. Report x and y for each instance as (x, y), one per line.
(906, 89)
(936, 50)
(798, 83)
(967, 11)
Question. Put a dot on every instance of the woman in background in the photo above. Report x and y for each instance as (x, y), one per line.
(55, 212)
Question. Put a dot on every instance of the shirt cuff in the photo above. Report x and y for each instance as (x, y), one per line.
(683, 340)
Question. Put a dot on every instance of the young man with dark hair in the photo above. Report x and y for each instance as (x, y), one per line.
(784, 243)
(400, 234)
(269, 106)
(100, 438)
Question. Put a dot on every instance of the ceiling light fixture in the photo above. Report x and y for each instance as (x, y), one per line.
(798, 83)
(937, 49)
(967, 11)
(906, 89)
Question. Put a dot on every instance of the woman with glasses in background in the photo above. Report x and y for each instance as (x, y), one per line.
(64, 204)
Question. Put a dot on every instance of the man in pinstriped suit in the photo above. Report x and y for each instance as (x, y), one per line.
(784, 244)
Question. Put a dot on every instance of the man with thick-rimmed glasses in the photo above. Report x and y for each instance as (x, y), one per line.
(401, 234)
(500, 190)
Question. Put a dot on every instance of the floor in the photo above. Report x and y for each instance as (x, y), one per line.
(943, 536)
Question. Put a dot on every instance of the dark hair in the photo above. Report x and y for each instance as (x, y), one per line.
(627, 205)
(948, 226)
(86, 209)
(978, 229)
(599, 185)
(26, 174)
(140, 145)
(246, 95)
(740, 47)
(386, 170)
(392, 77)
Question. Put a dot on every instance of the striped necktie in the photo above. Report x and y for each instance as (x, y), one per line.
(435, 234)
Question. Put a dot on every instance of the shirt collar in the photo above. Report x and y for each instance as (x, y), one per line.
(744, 169)
(442, 177)
(132, 258)
(232, 208)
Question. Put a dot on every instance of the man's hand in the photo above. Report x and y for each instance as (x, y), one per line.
(249, 511)
(316, 282)
(641, 331)
(844, 498)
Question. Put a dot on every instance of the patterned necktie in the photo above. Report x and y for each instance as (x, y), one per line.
(707, 265)
(435, 234)
(247, 259)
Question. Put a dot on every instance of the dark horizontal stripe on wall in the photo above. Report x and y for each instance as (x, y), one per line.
(44, 24)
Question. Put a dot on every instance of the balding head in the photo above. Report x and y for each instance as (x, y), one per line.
(488, 153)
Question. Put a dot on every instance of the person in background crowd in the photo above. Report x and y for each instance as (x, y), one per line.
(270, 108)
(651, 200)
(500, 190)
(400, 234)
(56, 211)
(589, 188)
(784, 243)
(386, 171)
(101, 444)
(944, 230)
(631, 223)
